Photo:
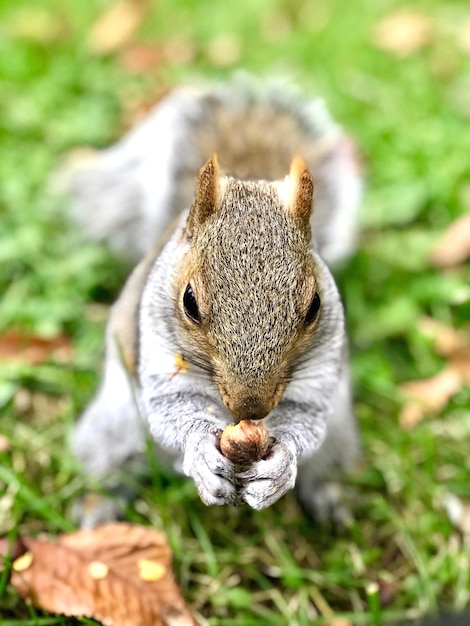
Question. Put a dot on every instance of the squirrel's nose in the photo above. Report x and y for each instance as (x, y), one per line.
(250, 401)
(252, 406)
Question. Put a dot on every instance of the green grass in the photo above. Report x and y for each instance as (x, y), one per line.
(410, 117)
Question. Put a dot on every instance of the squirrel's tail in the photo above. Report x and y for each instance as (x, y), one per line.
(128, 194)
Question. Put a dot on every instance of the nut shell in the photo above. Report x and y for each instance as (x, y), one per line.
(245, 442)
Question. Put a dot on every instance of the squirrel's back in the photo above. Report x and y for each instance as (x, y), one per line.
(133, 190)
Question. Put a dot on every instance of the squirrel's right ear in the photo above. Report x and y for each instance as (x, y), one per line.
(301, 190)
(208, 195)
(296, 192)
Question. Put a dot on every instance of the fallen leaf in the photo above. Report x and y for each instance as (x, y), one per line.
(451, 343)
(115, 27)
(447, 340)
(454, 246)
(429, 395)
(434, 392)
(5, 445)
(98, 574)
(142, 58)
(460, 361)
(19, 347)
(403, 32)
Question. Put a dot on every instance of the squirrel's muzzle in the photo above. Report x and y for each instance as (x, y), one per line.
(248, 405)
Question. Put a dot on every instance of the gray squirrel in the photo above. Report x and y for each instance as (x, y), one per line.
(233, 312)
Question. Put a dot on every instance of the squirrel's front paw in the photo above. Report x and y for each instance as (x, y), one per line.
(269, 479)
(214, 475)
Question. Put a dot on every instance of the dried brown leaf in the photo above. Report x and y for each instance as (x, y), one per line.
(403, 32)
(116, 27)
(429, 395)
(460, 361)
(19, 347)
(454, 246)
(447, 340)
(98, 573)
(142, 58)
(5, 445)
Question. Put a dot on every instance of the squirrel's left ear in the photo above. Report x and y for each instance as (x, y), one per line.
(298, 191)
(208, 194)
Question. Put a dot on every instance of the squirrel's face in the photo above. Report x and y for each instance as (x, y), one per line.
(248, 297)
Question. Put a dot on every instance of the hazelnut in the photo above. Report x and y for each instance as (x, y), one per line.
(245, 442)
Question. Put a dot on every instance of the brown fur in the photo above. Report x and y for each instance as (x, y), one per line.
(252, 242)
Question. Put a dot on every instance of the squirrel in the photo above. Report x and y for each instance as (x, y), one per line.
(233, 313)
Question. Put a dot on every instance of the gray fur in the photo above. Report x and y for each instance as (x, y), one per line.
(253, 266)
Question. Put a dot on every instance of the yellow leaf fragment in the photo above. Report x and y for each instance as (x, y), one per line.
(181, 365)
(150, 570)
(23, 562)
(98, 570)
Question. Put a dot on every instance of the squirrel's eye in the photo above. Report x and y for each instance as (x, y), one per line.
(313, 309)
(190, 305)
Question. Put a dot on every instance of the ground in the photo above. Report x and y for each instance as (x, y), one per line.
(398, 78)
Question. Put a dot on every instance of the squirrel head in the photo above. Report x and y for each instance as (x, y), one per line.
(248, 297)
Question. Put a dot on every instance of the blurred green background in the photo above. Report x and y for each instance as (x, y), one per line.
(397, 76)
